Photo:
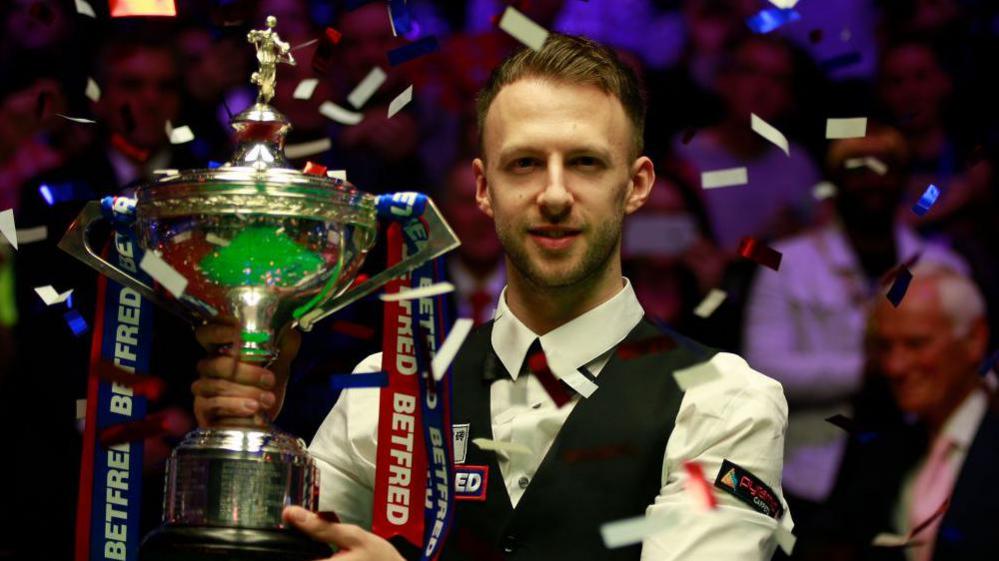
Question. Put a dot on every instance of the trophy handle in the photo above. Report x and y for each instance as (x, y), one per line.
(76, 243)
(441, 240)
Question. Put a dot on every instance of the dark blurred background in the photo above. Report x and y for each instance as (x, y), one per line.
(839, 211)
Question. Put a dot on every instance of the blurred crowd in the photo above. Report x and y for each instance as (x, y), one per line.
(914, 423)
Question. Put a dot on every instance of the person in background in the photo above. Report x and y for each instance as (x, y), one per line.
(924, 472)
(805, 323)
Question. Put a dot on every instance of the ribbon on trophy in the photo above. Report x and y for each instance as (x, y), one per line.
(108, 505)
(413, 464)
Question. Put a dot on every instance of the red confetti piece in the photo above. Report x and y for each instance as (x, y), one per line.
(130, 8)
(599, 453)
(628, 351)
(151, 387)
(698, 485)
(350, 329)
(753, 249)
(169, 422)
(538, 364)
(312, 168)
(128, 149)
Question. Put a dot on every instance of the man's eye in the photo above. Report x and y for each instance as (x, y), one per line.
(523, 164)
(586, 162)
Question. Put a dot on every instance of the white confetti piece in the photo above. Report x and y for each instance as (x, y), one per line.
(784, 4)
(49, 295)
(855, 127)
(92, 91)
(7, 227)
(724, 178)
(343, 116)
(523, 28)
(77, 119)
(211, 238)
(368, 86)
(179, 135)
(166, 172)
(340, 174)
(823, 190)
(447, 351)
(81, 409)
(400, 101)
(710, 303)
(501, 446)
(628, 531)
(769, 132)
(84, 7)
(182, 237)
(303, 149)
(305, 88)
(416, 293)
(31, 235)
(885, 539)
(870, 162)
(163, 273)
(695, 375)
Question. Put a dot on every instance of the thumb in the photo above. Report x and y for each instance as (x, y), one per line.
(344, 536)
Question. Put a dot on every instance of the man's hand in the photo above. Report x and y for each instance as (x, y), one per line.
(354, 543)
(229, 388)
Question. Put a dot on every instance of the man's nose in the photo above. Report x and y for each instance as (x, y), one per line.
(895, 363)
(555, 199)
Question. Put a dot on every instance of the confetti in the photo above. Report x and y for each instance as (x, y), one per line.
(698, 486)
(823, 190)
(447, 351)
(144, 385)
(523, 28)
(840, 61)
(31, 235)
(632, 350)
(416, 293)
(81, 120)
(49, 295)
(416, 49)
(343, 116)
(768, 19)
(372, 380)
(163, 273)
(710, 303)
(303, 149)
(784, 4)
(84, 7)
(869, 162)
(128, 8)
(501, 446)
(855, 127)
(367, 87)
(696, 375)
(926, 201)
(305, 88)
(170, 422)
(350, 329)
(76, 323)
(634, 530)
(215, 239)
(312, 168)
(7, 227)
(92, 91)
(179, 135)
(843, 422)
(538, 364)
(399, 17)
(81, 409)
(899, 286)
(751, 248)
(988, 364)
(769, 132)
(400, 101)
(724, 178)
(340, 174)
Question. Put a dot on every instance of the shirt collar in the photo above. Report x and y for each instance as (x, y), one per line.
(962, 424)
(572, 344)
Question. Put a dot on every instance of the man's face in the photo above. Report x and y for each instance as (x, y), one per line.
(145, 81)
(913, 86)
(558, 178)
(915, 347)
(759, 81)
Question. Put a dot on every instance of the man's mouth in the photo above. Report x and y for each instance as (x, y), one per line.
(553, 237)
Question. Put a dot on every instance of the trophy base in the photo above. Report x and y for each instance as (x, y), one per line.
(202, 543)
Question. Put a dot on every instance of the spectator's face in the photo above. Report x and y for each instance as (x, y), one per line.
(759, 81)
(558, 179)
(146, 81)
(864, 193)
(367, 36)
(479, 244)
(35, 24)
(913, 86)
(915, 347)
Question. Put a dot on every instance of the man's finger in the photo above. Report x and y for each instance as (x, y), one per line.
(230, 369)
(215, 387)
(213, 335)
(212, 408)
(344, 536)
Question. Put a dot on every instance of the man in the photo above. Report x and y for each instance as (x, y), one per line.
(898, 479)
(804, 325)
(561, 144)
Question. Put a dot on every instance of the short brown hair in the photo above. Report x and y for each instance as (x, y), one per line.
(574, 60)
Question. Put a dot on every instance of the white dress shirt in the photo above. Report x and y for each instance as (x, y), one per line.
(805, 327)
(741, 416)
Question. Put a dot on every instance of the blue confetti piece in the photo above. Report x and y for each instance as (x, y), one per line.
(840, 61)
(212, 164)
(373, 380)
(46, 192)
(413, 50)
(76, 323)
(69, 301)
(899, 286)
(926, 201)
(769, 19)
(54, 193)
(988, 364)
(400, 16)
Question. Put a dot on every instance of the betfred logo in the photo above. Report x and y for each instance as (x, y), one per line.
(470, 482)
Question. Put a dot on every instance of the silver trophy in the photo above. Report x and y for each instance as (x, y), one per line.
(265, 247)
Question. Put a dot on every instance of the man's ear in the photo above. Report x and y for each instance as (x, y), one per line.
(643, 177)
(482, 187)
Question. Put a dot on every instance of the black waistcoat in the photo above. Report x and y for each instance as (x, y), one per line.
(605, 463)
